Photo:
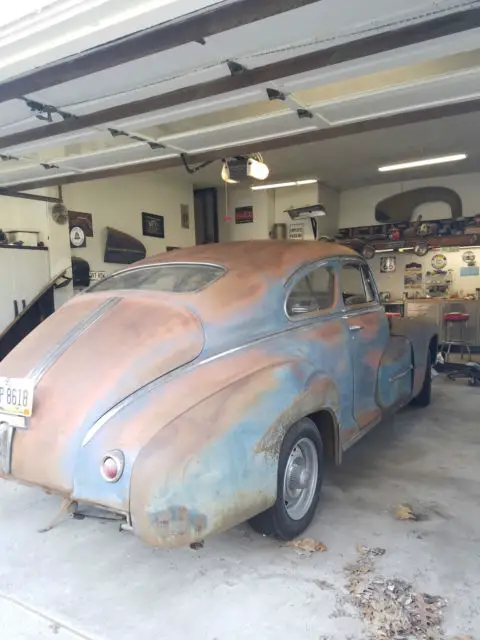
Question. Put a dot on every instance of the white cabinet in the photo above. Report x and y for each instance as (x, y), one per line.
(23, 274)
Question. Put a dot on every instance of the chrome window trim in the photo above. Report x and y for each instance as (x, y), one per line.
(224, 270)
(303, 272)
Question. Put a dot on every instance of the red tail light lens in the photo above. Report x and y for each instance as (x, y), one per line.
(112, 466)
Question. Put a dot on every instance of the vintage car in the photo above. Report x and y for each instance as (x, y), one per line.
(204, 387)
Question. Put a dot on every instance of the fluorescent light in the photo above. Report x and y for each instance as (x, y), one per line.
(406, 249)
(281, 185)
(456, 157)
(384, 250)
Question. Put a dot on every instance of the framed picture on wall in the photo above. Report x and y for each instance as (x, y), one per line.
(153, 225)
(243, 215)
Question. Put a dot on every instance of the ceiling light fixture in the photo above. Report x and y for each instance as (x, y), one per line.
(427, 162)
(281, 185)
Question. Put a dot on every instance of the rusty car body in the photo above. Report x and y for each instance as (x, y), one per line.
(198, 375)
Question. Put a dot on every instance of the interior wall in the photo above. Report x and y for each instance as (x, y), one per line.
(119, 202)
(17, 214)
(357, 206)
(270, 207)
(263, 213)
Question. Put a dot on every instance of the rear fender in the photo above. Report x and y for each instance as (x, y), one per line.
(421, 333)
(215, 465)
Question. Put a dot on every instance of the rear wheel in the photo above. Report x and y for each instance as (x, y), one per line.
(424, 398)
(300, 468)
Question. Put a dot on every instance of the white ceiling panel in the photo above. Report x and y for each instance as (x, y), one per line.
(402, 98)
(242, 132)
(122, 155)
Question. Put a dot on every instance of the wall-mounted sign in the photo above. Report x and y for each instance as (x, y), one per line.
(97, 275)
(413, 278)
(153, 225)
(243, 215)
(77, 238)
(83, 220)
(296, 231)
(439, 261)
(388, 264)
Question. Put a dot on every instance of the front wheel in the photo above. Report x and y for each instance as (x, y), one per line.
(300, 471)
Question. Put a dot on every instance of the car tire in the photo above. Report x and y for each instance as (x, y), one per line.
(300, 475)
(424, 398)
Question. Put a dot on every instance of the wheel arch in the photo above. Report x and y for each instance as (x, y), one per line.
(327, 425)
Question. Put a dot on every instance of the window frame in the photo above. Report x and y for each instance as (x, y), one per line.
(222, 271)
(364, 269)
(303, 273)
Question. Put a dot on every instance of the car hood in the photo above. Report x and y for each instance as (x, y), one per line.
(89, 355)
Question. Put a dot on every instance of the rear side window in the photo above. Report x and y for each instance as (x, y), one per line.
(315, 292)
(171, 278)
(357, 288)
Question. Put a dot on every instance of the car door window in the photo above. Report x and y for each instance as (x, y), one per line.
(357, 287)
(314, 292)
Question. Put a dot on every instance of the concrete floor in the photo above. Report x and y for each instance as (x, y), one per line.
(86, 580)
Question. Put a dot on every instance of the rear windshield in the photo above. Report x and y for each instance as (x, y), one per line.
(172, 278)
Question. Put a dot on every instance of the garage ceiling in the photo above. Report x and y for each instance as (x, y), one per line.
(235, 78)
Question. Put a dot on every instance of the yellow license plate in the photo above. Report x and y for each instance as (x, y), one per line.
(16, 396)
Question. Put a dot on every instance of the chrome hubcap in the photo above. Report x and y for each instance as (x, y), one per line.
(300, 479)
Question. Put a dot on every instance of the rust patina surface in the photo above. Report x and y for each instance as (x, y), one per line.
(198, 389)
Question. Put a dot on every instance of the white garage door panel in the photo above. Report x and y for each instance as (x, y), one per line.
(116, 156)
(241, 132)
(436, 49)
(329, 22)
(441, 90)
(192, 109)
(99, 21)
(27, 174)
(161, 70)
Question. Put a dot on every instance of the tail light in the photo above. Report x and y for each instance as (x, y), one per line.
(112, 466)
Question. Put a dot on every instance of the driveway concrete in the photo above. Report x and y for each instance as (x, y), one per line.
(85, 580)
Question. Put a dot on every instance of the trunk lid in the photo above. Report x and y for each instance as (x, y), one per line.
(88, 356)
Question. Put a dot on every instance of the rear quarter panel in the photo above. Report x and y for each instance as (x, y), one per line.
(215, 464)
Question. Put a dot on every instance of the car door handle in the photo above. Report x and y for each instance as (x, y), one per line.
(356, 327)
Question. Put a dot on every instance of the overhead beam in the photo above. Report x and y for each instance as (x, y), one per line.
(9, 193)
(195, 27)
(308, 137)
(346, 52)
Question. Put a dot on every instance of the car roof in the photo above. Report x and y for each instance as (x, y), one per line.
(277, 258)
